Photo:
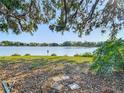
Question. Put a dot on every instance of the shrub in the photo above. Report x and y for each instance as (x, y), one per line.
(66, 55)
(109, 58)
(87, 55)
(76, 55)
(53, 54)
(27, 55)
(15, 54)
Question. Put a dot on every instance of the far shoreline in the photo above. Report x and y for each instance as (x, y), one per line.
(53, 46)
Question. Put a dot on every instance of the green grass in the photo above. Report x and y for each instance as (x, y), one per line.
(37, 61)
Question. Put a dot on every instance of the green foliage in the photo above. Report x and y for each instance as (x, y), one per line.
(53, 54)
(109, 58)
(77, 55)
(20, 15)
(66, 43)
(15, 54)
(77, 16)
(87, 55)
(27, 55)
(53, 44)
(84, 55)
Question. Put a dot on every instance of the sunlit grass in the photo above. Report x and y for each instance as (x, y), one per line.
(37, 61)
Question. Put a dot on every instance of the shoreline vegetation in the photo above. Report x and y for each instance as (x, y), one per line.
(66, 43)
(53, 54)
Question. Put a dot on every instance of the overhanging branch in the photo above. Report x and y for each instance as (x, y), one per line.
(93, 10)
(74, 15)
(65, 8)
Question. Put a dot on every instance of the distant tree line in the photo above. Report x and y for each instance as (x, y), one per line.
(66, 43)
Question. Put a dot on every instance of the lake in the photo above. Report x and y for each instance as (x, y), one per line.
(60, 51)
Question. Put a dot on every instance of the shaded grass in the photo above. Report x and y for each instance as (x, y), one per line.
(37, 61)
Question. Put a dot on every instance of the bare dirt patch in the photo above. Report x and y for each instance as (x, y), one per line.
(59, 78)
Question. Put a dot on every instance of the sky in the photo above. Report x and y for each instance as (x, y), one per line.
(43, 34)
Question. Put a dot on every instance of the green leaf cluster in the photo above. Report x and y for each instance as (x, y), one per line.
(109, 58)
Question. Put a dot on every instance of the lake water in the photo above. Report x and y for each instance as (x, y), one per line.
(60, 51)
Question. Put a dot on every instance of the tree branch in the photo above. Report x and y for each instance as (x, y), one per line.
(74, 15)
(65, 8)
(92, 10)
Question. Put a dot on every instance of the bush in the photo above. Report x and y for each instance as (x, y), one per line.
(76, 55)
(27, 55)
(53, 54)
(66, 55)
(15, 54)
(109, 58)
(87, 55)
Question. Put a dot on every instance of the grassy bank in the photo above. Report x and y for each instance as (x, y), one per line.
(37, 61)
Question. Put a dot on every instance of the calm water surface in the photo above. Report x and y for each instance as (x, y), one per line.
(60, 51)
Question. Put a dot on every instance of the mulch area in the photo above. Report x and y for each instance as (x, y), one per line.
(23, 79)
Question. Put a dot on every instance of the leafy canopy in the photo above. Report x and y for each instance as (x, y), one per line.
(80, 16)
(20, 15)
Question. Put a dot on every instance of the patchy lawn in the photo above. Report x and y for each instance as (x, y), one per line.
(37, 61)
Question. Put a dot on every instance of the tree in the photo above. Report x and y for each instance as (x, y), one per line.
(79, 43)
(67, 43)
(81, 16)
(6, 43)
(53, 44)
(43, 44)
(33, 44)
(20, 15)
